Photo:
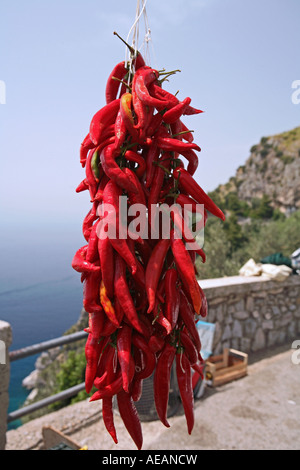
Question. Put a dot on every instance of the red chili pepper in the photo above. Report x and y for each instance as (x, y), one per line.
(93, 349)
(85, 146)
(188, 203)
(99, 195)
(91, 299)
(113, 171)
(175, 145)
(154, 269)
(122, 293)
(130, 417)
(184, 379)
(90, 175)
(190, 348)
(108, 390)
(138, 197)
(107, 366)
(83, 186)
(92, 250)
(113, 83)
(120, 131)
(139, 275)
(81, 265)
(109, 328)
(187, 182)
(159, 93)
(182, 227)
(150, 360)
(172, 100)
(193, 161)
(142, 79)
(173, 114)
(161, 381)
(132, 156)
(186, 133)
(136, 388)
(138, 61)
(88, 221)
(187, 272)
(154, 124)
(106, 255)
(124, 353)
(156, 343)
(96, 322)
(172, 297)
(116, 232)
(151, 157)
(108, 417)
(191, 110)
(127, 115)
(160, 318)
(107, 305)
(187, 315)
(156, 186)
(102, 119)
(204, 305)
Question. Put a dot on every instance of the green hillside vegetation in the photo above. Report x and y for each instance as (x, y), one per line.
(229, 245)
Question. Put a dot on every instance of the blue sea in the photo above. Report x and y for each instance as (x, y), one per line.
(40, 293)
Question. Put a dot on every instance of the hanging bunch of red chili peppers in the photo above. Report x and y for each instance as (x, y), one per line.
(141, 294)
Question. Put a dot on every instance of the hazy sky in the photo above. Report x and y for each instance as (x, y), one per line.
(238, 60)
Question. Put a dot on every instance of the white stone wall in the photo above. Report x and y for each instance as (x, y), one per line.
(5, 342)
(253, 313)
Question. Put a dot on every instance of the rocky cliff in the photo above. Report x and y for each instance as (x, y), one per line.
(272, 170)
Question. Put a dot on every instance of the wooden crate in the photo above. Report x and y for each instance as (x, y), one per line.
(224, 368)
(56, 440)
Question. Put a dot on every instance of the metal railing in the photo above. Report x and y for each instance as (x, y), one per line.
(37, 348)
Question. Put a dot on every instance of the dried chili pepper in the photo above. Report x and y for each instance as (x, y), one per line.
(103, 118)
(93, 349)
(113, 171)
(161, 381)
(187, 182)
(122, 293)
(153, 270)
(130, 417)
(107, 305)
(108, 417)
(113, 82)
(184, 379)
(127, 115)
(172, 297)
(187, 315)
(150, 359)
(173, 114)
(186, 268)
(124, 353)
(81, 265)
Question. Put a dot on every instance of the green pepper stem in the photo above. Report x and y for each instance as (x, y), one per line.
(126, 43)
(123, 83)
(162, 167)
(182, 132)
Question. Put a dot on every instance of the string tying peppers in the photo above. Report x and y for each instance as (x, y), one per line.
(140, 292)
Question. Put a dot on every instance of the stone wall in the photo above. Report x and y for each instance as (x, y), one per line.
(5, 342)
(252, 313)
